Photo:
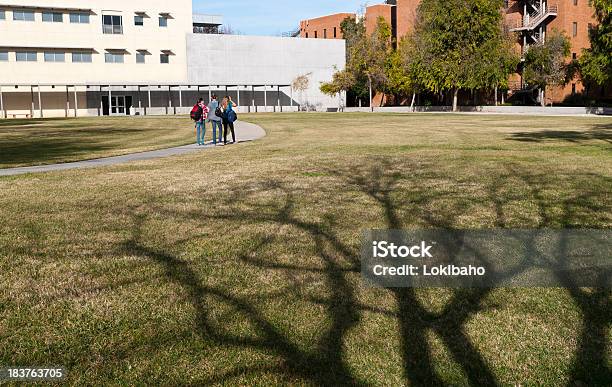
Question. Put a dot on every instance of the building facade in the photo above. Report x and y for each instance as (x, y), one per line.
(115, 57)
(530, 20)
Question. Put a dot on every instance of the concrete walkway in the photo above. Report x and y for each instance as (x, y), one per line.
(244, 132)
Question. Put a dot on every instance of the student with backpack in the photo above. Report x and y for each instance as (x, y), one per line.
(214, 117)
(199, 114)
(229, 117)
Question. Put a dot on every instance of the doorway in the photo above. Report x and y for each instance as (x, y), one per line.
(120, 105)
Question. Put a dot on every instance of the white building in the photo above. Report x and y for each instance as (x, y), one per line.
(67, 58)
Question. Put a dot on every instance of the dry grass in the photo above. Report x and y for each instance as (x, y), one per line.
(38, 142)
(239, 265)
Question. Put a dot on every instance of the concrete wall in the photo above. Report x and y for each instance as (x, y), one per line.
(69, 37)
(248, 60)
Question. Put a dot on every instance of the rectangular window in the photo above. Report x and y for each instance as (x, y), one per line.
(81, 57)
(574, 56)
(26, 56)
(53, 17)
(316, 35)
(55, 57)
(164, 58)
(574, 29)
(2, 14)
(110, 57)
(163, 21)
(138, 20)
(3, 56)
(23, 15)
(335, 32)
(325, 33)
(575, 2)
(140, 57)
(112, 24)
(79, 18)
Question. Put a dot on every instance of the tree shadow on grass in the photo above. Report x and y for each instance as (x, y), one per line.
(602, 132)
(56, 146)
(325, 363)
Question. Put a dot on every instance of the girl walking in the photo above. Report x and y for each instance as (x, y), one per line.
(229, 116)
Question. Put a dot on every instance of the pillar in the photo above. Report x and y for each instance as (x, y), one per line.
(238, 99)
(266, 98)
(101, 110)
(180, 96)
(40, 108)
(32, 98)
(149, 97)
(169, 100)
(253, 98)
(76, 102)
(110, 103)
(278, 100)
(2, 115)
(209, 93)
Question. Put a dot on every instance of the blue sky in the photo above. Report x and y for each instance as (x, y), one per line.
(262, 17)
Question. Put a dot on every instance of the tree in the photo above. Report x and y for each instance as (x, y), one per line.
(367, 56)
(596, 62)
(546, 64)
(461, 44)
(342, 81)
(300, 84)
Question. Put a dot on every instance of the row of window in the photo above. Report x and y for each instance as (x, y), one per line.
(111, 24)
(78, 57)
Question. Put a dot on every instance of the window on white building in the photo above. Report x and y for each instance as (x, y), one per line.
(163, 21)
(140, 57)
(26, 56)
(139, 20)
(53, 17)
(55, 56)
(81, 57)
(112, 24)
(164, 58)
(111, 57)
(79, 18)
(3, 56)
(2, 14)
(22, 15)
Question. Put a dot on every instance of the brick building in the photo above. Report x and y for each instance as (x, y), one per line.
(530, 20)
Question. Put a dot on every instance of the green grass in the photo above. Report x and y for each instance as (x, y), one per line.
(240, 265)
(39, 142)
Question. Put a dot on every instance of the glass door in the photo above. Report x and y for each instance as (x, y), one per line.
(118, 105)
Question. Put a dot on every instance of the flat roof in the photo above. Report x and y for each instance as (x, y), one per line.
(39, 7)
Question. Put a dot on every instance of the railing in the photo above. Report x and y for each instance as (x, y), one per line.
(536, 20)
(112, 29)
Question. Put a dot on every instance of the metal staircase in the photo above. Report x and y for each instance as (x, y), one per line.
(535, 17)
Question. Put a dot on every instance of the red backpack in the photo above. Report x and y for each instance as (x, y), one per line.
(196, 112)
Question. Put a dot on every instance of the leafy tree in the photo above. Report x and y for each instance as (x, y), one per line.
(367, 57)
(461, 44)
(596, 62)
(342, 81)
(546, 65)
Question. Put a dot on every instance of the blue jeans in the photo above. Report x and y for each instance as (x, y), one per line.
(215, 125)
(200, 132)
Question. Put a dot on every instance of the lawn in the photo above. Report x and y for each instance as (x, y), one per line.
(37, 142)
(240, 265)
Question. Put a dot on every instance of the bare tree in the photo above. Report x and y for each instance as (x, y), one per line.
(301, 83)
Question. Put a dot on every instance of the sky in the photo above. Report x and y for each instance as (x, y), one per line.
(261, 17)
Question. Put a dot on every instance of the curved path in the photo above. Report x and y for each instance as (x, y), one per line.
(244, 132)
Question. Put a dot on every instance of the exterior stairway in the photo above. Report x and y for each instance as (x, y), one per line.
(534, 21)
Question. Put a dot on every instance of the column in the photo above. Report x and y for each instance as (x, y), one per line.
(278, 98)
(76, 102)
(110, 95)
(40, 103)
(139, 99)
(101, 110)
(209, 93)
(169, 100)
(2, 115)
(253, 98)
(149, 97)
(180, 96)
(238, 90)
(266, 98)
(32, 98)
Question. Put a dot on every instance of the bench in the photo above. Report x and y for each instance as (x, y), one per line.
(24, 115)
